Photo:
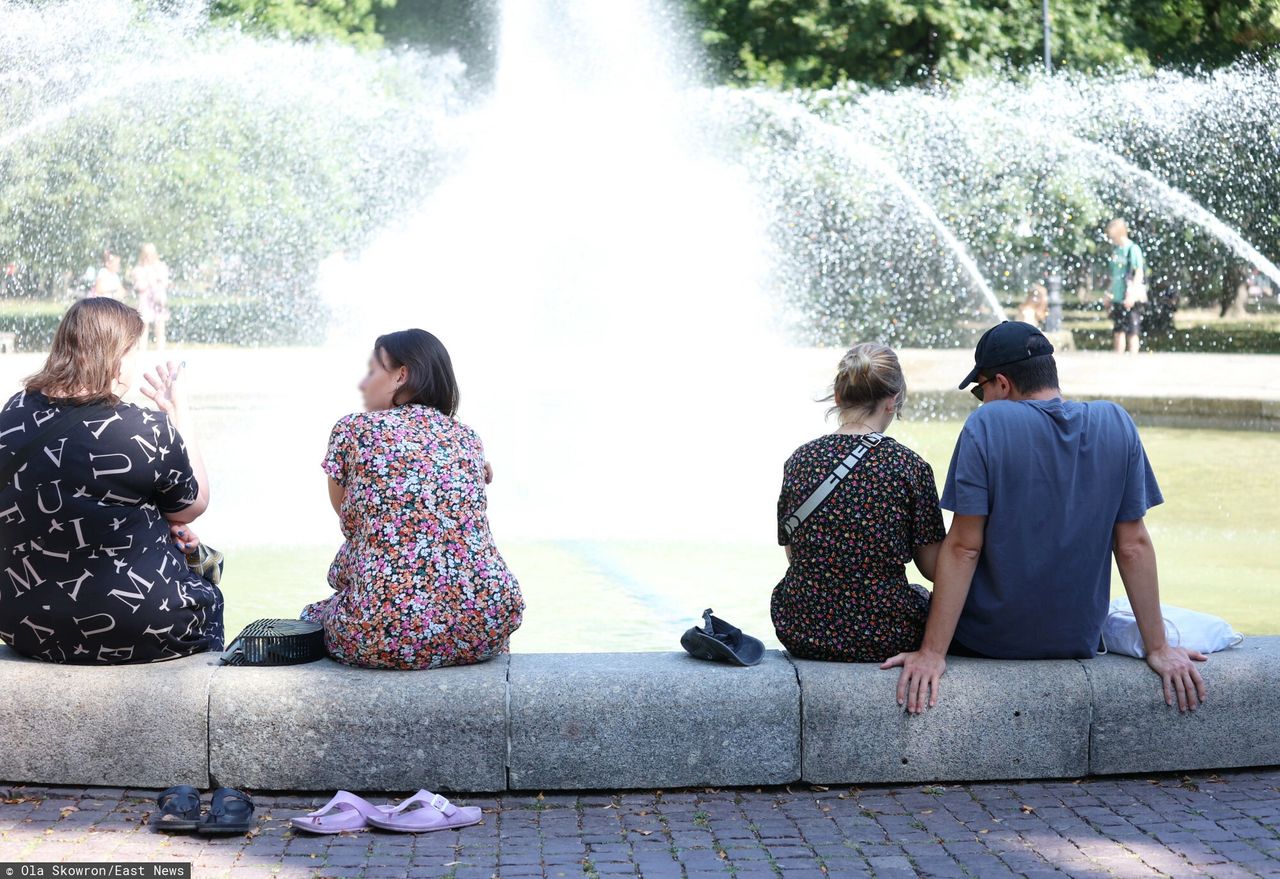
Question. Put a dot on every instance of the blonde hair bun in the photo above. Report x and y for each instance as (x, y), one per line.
(868, 373)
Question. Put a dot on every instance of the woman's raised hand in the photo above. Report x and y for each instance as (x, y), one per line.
(163, 387)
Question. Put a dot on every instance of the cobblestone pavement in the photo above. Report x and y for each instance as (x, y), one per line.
(1220, 825)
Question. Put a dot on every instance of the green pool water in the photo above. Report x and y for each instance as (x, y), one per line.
(1217, 540)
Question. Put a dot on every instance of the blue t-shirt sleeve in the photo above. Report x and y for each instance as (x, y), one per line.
(965, 492)
(1141, 492)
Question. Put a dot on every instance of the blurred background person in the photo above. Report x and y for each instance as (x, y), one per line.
(107, 281)
(150, 279)
(1034, 309)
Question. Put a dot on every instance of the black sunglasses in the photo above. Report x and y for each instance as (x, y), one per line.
(977, 390)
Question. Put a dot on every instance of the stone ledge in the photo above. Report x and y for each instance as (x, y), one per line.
(326, 726)
(1133, 730)
(123, 726)
(584, 721)
(996, 719)
(655, 720)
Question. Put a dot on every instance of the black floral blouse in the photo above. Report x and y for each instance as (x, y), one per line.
(845, 596)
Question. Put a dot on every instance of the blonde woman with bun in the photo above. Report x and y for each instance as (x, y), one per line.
(845, 596)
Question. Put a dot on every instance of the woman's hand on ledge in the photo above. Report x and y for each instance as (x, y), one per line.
(918, 680)
(184, 538)
(488, 473)
(1179, 675)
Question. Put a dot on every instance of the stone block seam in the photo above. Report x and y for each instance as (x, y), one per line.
(800, 696)
(506, 692)
(1093, 702)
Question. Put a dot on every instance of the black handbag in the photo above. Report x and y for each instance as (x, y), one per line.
(276, 642)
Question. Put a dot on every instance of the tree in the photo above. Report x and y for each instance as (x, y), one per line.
(348, 21)
(1205, 32)
(269, 182)
(817, 43)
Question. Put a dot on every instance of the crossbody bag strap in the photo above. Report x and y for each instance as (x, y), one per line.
(841, 472)
(23, 453)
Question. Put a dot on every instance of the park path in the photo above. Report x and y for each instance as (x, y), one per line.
(240, 372)
(1200, 825)
(1100, 374)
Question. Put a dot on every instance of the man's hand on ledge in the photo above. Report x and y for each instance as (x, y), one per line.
(1179, 675)
(918, 680)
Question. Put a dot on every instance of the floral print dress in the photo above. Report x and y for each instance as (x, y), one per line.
(845, 595)
(419, 582)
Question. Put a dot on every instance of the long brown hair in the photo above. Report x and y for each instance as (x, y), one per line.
(84, 360)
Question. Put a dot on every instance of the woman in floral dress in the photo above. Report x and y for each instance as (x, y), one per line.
(419, 582)
(845, 595)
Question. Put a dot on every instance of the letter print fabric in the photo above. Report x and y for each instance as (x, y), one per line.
(88, 572)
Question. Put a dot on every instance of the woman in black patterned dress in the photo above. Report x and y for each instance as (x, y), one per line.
(845, 595)
(94, 525)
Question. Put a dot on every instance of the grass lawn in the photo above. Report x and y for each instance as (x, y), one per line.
(1217, 538)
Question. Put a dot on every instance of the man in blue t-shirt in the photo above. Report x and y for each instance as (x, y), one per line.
(1043, 490)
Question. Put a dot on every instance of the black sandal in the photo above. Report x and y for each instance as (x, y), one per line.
(230, 811)
(179, 809)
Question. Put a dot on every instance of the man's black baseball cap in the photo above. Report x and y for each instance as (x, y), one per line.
(1010, 342)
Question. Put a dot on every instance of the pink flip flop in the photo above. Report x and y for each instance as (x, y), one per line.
(344, 812)
(425, 811)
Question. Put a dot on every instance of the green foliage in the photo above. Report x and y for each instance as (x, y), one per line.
(347, 21)
(244, 189)
(1204, 32)
(242, 322)
(817, 43)
(1198, 331)
(195, 181)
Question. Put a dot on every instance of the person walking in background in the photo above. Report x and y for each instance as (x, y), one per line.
(1128, 285)
(150, 278)
(419, 582)
(845, 596)
(107, 281)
